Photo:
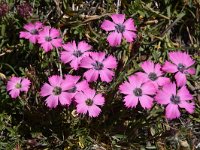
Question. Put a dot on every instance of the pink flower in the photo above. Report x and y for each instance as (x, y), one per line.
(138, 90)
(153, 73)
(119, 28)
(74, 54)
(76, 86)
(88, 101)
(173, 98)
(16, 85)
(99, 64)
(49, 38)
(181, 65)
(56, 91)
(32, 31)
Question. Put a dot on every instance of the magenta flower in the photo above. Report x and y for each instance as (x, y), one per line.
(181, 65)
(56, 91)
(49, 38)
(88, 101)
(32, 31)
(153, 73)
(76, 86)
(119, 28)
(173, 98)
(16, 85)
(99, 64)
(74, 54)
(136, 89)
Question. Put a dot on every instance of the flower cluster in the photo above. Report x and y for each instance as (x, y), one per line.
(48, 37)
(151, 85)
(68, 89)
(146, 87)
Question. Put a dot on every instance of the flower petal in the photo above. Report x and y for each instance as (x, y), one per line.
(94, 111)
(87, 62)
(118, 18)
(83, 46)
(82, 85)
(157, 69)
(25, 84)
(106, 75)
(130, 101)
(66, 57)
(163, 80)
(81, 108)
(46, 90)
(126, 88)
(70, 46)
(148, 88)
(54, 33)
(99, 100)
(57, 42)
(184, 94)
(110, 62)
(148, 66)
(114, 38)
(172, 111)
(169, 67)
(80, 98)
(91, 75)
(189, 107)
(65, 98)
(129, 24)
(129, 35)
(14, 93)
(108, 25)
(176, 57)
(180, 79)
(163, 97)
(146, 101)
(47, 46)
(55, 80)
(75, 63)
(52, 101)
(191, 71)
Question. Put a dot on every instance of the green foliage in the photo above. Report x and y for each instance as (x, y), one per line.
(162, 26)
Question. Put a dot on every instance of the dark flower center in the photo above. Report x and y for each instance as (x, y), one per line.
(120, 28)
(137, 92)
(98, 65)
(77, 53)
(181, 68)
(89, 102)
(48, 38)
(34, 32)
(152, 76)
(175, 99)
(72, 90)
(18, 86)
(57, 90)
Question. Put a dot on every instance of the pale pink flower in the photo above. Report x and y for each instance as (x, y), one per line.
(119, 28)
(88, 101)
(153, 73)
(137, 89)
(99, 64)
(32, 31)
(75, 53)
(56, 91)
(173, 98)
(49, 38)
(76, 86)
(16, 85)
(181, 65)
